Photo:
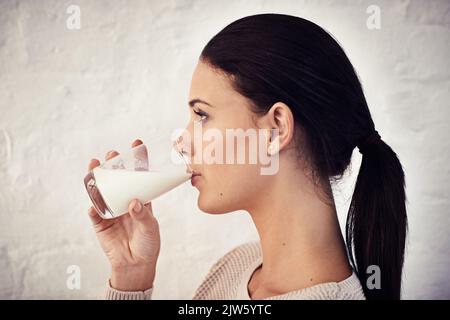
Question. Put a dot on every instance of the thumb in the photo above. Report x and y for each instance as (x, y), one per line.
(139, 212)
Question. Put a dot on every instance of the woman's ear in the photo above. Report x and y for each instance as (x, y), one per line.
(280, 118)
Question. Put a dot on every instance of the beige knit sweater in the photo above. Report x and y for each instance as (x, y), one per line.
(229, 277)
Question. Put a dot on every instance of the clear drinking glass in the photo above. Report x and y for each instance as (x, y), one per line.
(144, 172)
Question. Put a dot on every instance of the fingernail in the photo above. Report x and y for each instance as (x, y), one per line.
(137, 206)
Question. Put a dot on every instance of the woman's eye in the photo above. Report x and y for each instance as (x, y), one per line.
(201, 114)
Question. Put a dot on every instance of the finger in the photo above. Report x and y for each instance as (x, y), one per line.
(140, 157)
(139, 212)
(95, 218)
(111, 154)
(136, 143)
(98, 223)
(93, 163)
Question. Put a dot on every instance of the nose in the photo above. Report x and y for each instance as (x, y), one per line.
(188, 144)
(186, 140)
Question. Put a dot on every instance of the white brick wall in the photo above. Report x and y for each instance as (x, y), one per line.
(69, 95)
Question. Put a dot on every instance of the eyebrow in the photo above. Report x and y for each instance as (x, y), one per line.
(194, 101)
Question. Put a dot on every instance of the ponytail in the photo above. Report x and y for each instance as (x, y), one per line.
(376, 222)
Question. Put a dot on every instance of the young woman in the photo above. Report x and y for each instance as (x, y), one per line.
(273, 71)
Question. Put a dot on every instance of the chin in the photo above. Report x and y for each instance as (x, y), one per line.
(212, 206)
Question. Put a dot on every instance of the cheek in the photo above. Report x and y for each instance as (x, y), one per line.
(229, 187)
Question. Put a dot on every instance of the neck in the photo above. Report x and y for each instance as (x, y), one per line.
(301, 241)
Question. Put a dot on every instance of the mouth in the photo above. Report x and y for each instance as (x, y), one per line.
(195, 178)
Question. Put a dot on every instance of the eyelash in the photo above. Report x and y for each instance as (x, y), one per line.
(202, 115)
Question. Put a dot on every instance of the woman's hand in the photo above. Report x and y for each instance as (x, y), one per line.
(131, 241)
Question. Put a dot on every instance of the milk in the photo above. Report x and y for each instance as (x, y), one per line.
(118, 187)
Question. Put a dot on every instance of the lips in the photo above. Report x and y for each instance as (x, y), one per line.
(195, 177)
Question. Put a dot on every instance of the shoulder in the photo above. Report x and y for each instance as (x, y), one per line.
(347, 289)
(224, 276)
(239, 257)
(351, 288)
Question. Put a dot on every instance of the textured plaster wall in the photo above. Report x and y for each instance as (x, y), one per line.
(67, 95)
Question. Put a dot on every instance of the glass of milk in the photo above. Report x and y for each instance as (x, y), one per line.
(144, 172)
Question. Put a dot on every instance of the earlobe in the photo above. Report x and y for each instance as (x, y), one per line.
(274, 143)
(270, 150)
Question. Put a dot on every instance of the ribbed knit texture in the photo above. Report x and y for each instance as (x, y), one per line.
(113, 294)
(228, 279)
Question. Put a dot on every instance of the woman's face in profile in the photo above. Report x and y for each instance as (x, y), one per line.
(216, 107)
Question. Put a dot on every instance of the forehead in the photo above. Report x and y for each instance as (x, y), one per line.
(213, 86)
